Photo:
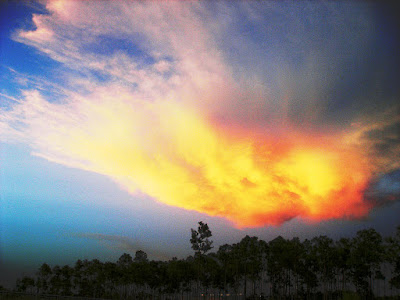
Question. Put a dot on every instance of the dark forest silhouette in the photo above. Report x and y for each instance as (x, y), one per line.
(365, 266)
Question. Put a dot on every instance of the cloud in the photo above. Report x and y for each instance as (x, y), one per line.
(379, 137)
(385, 189)
(171, 153)
(165, 112)
(122, 243)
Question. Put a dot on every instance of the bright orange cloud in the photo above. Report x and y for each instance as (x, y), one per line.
(172, 153)
(175, 128)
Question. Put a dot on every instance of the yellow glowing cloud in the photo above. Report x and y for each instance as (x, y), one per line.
(170, 152)
(182, 137)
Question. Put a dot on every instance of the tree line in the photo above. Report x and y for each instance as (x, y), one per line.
(366, 266)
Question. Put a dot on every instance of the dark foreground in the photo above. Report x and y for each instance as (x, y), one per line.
(23, 296)
(364, 267)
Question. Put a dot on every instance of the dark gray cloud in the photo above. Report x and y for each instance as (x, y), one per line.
(385, 190)
(316, 65)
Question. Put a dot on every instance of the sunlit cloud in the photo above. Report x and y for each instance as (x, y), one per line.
(177, 123)
(171, 153)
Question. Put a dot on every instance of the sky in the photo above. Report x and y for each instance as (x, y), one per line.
(124, 123)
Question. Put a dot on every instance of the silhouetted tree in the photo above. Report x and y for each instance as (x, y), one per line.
(366, 259)
(343, 260)
(393, 256)
(140, 271)
(25, 284)
(43, 277)
(276, 266)
(250, 252)
(295, 264)
(200, 239)
(110, 279)
(225, 257)
(324, 251)
(307, 267)
(201, 244)
(140, 257)
(124, 268)
(293, 269)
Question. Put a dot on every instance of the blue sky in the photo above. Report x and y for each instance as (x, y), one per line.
(123, 125)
